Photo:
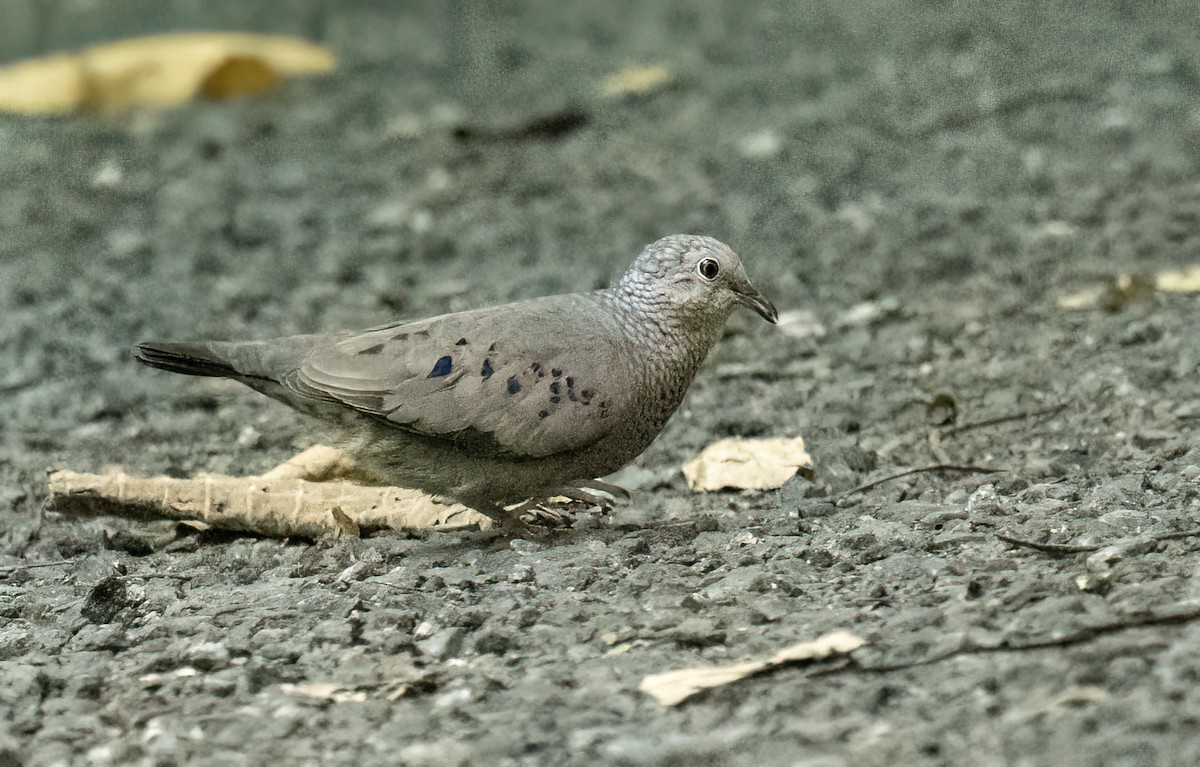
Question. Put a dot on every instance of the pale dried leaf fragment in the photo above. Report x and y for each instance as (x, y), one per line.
(330, 691)
(1082, 299)
(48, 85)
(747, 464)
(673, 687)
(1124, 289)
(636, 81)
(319, 463)
(157, 71)
(1179, 280)
(1057, 230)
(280, 508)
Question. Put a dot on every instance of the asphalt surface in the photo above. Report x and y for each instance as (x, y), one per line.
(918, 184)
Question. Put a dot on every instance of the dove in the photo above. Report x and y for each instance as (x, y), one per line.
(500, 407)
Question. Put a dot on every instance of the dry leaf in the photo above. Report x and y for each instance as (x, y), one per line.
(674, 687)
(157, 71)
(636, 81)
(1082, 299)
(1057, 230)
(49, 85)
(1124, 289)
(279, 503)
(319, 463)
(1179, 280)
(325, 691)
(747, 464)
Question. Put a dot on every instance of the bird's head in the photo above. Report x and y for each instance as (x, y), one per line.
(695, 278)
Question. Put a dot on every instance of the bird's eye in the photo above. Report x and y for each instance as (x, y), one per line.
(708, 268)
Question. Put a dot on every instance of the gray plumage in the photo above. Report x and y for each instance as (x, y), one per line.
(499, 405)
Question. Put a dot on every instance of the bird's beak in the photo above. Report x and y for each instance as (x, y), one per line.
(750, 297)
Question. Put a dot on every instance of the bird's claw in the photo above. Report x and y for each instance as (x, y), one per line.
(545, 516)
(595, 493)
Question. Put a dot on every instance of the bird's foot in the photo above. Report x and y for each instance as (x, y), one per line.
(616, 491)
(595, 493)
(528, 520)
(514, 526)
(539, 515)
(548, 516)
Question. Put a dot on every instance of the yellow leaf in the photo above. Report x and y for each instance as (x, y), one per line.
(49, 85)
(1179, 280)
(747, 464)
(636, 81)
(674, 687)
(1117, 294)
(1082, 299)
(237, 76)
(157, 71)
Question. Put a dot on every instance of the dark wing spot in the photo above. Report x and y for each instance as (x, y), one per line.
(474, 440)
(400, 337)
(585, 396)
(554, 388)
(461, 342)
(492, 348)
(555, 400)
(486, 372)
(376, 349)
(543, 413)
(570, 382)
(555, 372)
(514, 385)
(441, 367)
(536, 367)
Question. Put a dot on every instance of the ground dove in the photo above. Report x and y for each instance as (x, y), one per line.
(509, 404)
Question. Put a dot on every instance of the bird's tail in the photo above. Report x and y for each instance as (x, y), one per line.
(194, 359)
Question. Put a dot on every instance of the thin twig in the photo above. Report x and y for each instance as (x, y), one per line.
(386, 585)
(1164, 618)
(1067, 549)
(922, 470)
(1059, 549)
(1179, 534)
(1005, 419)
(34, 565)
(14, 386)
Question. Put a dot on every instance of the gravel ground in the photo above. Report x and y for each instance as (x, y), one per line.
(921, 182)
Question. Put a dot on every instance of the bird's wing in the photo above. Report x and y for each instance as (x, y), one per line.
(529, 379)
